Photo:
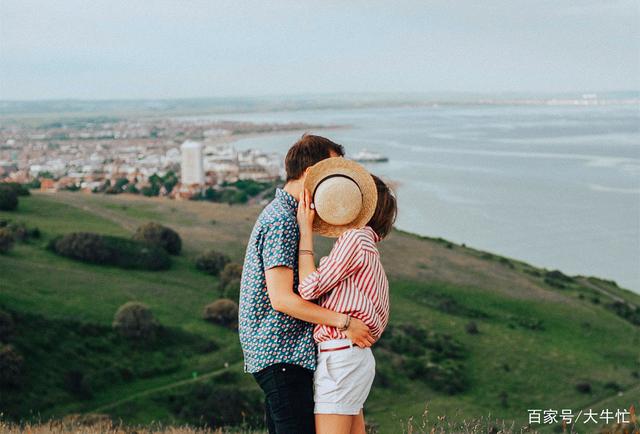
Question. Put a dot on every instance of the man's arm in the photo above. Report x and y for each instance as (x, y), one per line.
(283, 299)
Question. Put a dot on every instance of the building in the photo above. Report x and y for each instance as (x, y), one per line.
(192, 167)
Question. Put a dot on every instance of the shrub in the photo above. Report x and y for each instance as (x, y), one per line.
(626, 311)
(6, 240)
(160, 236)
(76, 383)
(232, 196)
(223, 312)
(6, 326)
(230, 280)
(8, 199)
(84, 246)
(11, 363)
(583, 387)
(19, 189)
(472, 328)
(429, 356)
(212, 262)
(108, 250)
(218, 405)
(19, 231)
(134, 320)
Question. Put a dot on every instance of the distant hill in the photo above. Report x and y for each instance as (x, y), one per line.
(472, 333)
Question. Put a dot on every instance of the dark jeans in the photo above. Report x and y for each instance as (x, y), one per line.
(288, 391)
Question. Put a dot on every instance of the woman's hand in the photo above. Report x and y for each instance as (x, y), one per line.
(306, 213)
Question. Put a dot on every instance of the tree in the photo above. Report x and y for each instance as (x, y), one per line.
(223, 312)
(8, 199)
(212, 262)
(160, 236)
(134, 320)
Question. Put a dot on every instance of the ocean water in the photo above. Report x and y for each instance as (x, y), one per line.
(556, 186)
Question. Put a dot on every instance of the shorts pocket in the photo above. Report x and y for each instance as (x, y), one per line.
(341, 364)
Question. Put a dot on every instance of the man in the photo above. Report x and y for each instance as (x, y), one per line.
(275, 323)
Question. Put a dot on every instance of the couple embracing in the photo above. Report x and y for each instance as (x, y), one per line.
(306, 331)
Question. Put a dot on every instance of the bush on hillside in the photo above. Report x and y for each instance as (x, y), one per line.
(583, 387)
(626, 311)
(472, 328)
(11, 364)
(76, 383)
(230, 281)
(160, 236)
(212, 262)
(134, 320)
(223, 312)
(8, 199)
(109, 250)
(20, 189)
(420, 354)
(6, 240)
(218, 405)
(7, 326)
(19, 230)
(232, 196)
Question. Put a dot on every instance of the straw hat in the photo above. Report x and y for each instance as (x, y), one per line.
(343, 193)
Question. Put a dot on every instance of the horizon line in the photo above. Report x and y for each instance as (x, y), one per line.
(403, 94)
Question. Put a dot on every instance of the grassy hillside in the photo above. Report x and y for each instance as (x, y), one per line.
(540, 333)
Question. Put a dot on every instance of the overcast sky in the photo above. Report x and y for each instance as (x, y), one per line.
(206, 48)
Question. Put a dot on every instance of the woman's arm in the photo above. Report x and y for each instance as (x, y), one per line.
(283, 299)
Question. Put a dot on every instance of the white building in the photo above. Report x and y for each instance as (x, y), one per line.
(192, 167)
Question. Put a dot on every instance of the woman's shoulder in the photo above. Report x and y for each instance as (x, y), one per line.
(364, 235)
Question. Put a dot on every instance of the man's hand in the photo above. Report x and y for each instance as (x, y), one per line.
(359, 333)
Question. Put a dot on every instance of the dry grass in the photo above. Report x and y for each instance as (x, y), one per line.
(93, 423)
(96, 423)
(486, 425)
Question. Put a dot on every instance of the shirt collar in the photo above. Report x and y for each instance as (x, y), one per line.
(286, 199)
(373, 234)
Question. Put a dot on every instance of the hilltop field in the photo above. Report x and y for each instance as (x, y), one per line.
(472, 333)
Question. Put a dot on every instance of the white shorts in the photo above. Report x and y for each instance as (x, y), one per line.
(343, 378)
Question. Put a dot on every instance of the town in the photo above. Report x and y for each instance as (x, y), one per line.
(181, 158)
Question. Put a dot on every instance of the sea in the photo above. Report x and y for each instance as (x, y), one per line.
(557, 186)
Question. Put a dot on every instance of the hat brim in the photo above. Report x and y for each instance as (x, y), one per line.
(342, 166)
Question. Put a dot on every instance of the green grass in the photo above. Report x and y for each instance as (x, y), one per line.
(543, 365)
(436, 287)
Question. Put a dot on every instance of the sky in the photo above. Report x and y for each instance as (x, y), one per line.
(112, 49)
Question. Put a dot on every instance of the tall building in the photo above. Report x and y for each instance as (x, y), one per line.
(192, 163)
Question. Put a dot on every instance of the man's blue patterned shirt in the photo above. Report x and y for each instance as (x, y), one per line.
(266, 335)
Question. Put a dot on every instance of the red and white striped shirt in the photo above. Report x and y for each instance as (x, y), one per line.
(350, 280)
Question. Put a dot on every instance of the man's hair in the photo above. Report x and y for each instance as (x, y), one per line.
(386, 209)
(308, 151)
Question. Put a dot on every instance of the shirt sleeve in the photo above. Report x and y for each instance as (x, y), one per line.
(280, 244)
(346, 257)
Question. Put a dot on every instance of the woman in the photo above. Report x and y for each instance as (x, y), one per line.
(350, 280)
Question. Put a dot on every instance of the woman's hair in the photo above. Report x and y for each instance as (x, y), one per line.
(386, 209)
